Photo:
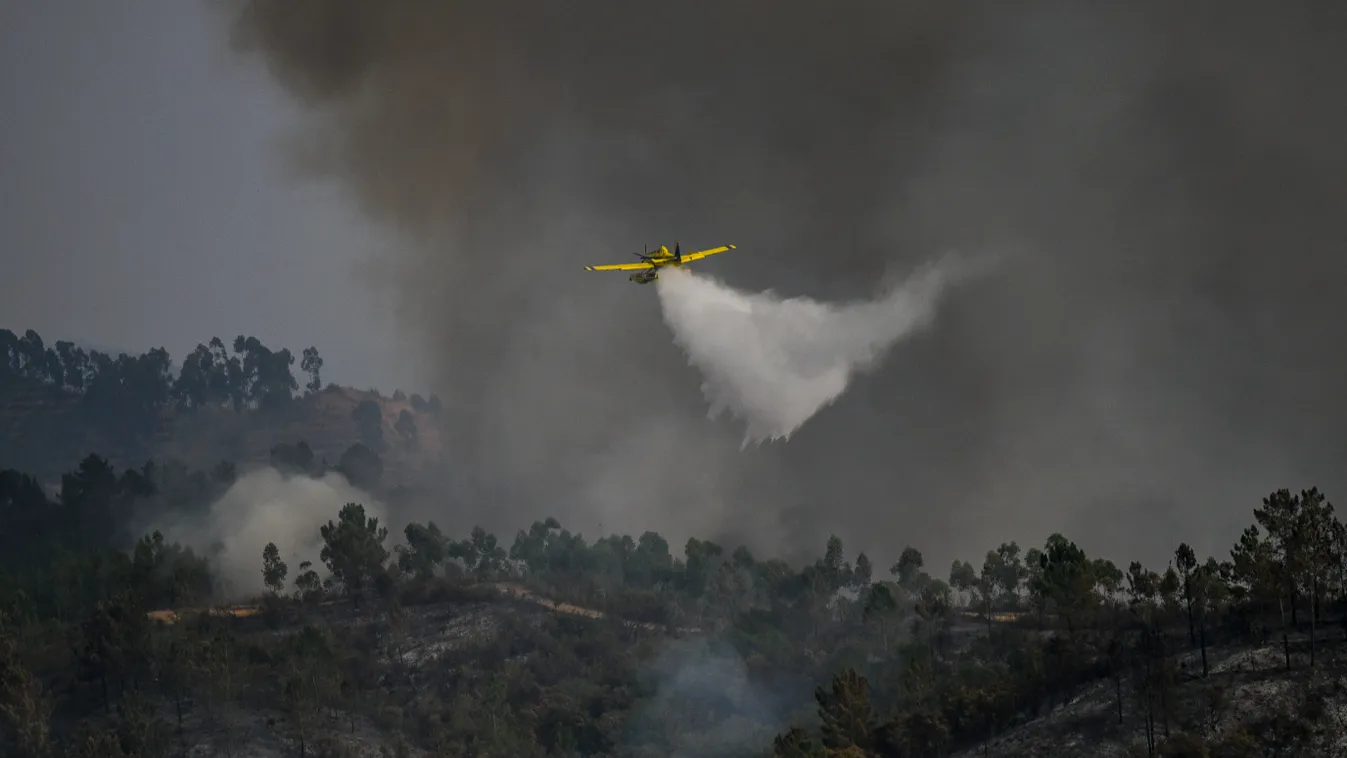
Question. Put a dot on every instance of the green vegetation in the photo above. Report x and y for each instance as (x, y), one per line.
(134, 387)
(125, 399)
(709, 652)
(549, 644)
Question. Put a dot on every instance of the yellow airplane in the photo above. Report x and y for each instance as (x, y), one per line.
(651, 263)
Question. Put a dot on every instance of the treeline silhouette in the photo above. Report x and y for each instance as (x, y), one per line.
(898, 663)
(133, 389)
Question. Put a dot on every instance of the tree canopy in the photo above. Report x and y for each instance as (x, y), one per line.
(462, 641)
(133, 388)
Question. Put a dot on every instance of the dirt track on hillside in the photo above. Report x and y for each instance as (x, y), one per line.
(509, 589)
(523, 593)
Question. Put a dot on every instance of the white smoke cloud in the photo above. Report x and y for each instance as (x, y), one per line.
(265, 506)
(774, 362)
(704, 705)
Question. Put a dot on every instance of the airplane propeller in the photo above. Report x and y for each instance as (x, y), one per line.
(644, 256)
(678, 253)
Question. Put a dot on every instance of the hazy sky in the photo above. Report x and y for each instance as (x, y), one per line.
(142, 203)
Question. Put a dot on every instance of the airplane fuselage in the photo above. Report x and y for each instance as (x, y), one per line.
(659, 259)
(647, 270)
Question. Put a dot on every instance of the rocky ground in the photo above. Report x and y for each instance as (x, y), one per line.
(1245, 688)
(428, 631)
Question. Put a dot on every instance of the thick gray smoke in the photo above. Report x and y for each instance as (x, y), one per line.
(1163, 354)
(775, 361)
(266, 506)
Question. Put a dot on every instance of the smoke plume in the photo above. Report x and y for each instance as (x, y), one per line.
(704, 704)
(774, 362)
(267, 506)
(1160, 359)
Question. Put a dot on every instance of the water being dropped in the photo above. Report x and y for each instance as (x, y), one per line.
(774, 362)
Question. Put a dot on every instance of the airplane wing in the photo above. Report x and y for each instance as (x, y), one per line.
(621, 267)
(703, 253)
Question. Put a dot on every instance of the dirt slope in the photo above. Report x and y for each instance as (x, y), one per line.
(1245, 686)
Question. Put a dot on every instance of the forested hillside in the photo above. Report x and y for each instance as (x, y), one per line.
(406, 646)
(60, 402)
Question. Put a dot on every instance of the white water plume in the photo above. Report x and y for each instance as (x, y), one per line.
(775, 362)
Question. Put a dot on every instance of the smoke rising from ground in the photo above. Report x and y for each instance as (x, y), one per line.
(704, 704)
(776, 361)
(266, 506)
(1160, 359)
